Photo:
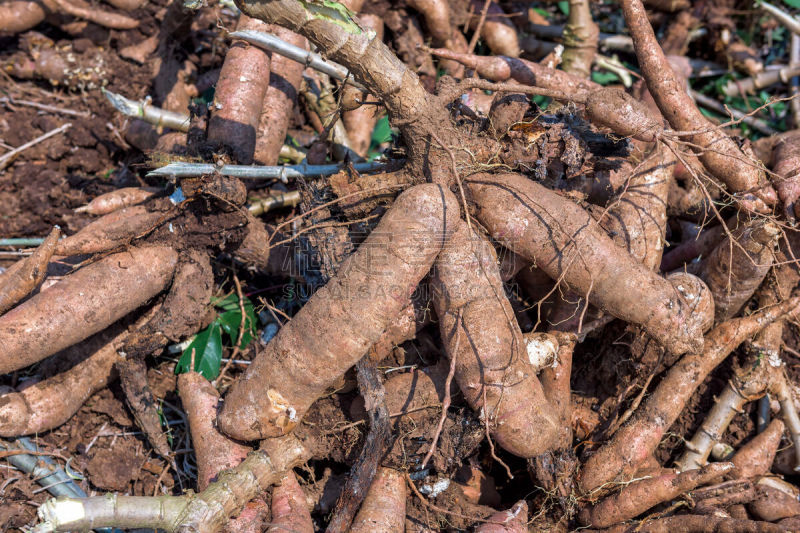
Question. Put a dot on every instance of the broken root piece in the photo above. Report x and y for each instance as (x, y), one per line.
(21, 279)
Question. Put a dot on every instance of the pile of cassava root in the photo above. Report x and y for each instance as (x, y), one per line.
(576, 314)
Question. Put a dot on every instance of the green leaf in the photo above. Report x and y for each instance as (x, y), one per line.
(604, 77)
(543, 12)
(207, 346)
(792, 3)
(230, 321)
(541, 101)
(335, 13)
(563, 5)
(382, 132)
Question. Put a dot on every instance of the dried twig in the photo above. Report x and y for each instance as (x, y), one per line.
(295, 53)
(6, 158)
(283, 173)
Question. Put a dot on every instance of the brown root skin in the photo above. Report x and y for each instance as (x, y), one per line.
(278, 104)
(118, 284)
(479, 330)
(110, 231)
(289, 508)
(341, 320)
(618, 458)
(734, 270)
(437, 20)
(637, 219)
(50, 403)
(102, 18)
(184, 309)
(252, 519)
(18, 283)
(142, 404)
(705, 524)
(563, 240)
(384, 508)
(720, 154)
(503, 68)
(183, 313)
(688, 250)
(639, 496)
(215, 452)
(514, 520)
(623, 114)
(755, 458)
(361, 121)
(411, 319)
(255, 250)
(607, 181)
(777, 499)
(239, 96)
(408, 395)
(785, 164)
(437, 17)
(118, 199)
(498, 31)
(668, 5)
(17, 16)
(555, 380)
(127, 5)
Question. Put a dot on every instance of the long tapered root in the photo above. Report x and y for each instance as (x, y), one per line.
(565, 242)
(118, 284)
(480, 332)
(343, 319)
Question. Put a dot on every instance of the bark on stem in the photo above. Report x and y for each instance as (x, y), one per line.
(204, 512)
(580, 39)
(372, 64)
